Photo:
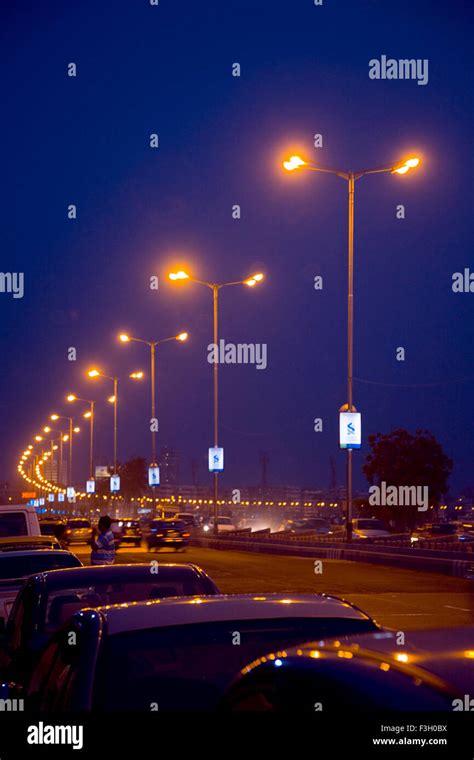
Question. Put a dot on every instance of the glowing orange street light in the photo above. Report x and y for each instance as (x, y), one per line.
(216, 287)
(125, 338)
(399, 167)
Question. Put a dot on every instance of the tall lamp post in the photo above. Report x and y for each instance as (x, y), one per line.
(94, 373)
(399, 167)
(72, 430)
(90, 416)
(125, 338)
(215, 287)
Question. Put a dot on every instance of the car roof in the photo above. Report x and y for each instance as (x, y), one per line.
(17, 543)
(183, 610)
(65, 578)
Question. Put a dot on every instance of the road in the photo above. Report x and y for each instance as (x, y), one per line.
(396, 598)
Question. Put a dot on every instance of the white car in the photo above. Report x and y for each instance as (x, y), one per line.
(369, 527)
(224, 525)
(18, 520)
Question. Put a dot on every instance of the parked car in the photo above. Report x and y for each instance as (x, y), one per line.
(316, 678)
(19, 543)
(130, 532)
(176, 653)
(78, 531)
(369, 527)
(170, 533)
(18, 564)
(48, 526)
(48, 599)
(224, 525)
(18, 520)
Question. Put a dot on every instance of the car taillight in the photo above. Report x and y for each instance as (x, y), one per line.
(186, 535)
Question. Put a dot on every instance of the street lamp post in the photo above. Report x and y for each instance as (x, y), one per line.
(125, 338)
(216, 287)
(90, 415)
(400, 167)
(56, 417)
(93, 373)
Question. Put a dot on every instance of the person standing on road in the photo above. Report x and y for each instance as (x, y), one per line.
(103, 546)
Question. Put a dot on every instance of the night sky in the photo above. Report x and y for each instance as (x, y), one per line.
(304, 71)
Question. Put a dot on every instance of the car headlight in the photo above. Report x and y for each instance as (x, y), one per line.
(206, 528)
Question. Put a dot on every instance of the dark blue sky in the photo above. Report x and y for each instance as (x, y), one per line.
(167, 70)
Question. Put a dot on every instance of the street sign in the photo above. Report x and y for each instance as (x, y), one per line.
(51, 497)
(350, 430)
(90, 486)
(60, 497)
(114, 483)
(41, 502)
(70, 492)
(216, 459)
(153, 476)
(101, 471)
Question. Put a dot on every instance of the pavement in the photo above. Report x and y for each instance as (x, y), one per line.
(397, 598)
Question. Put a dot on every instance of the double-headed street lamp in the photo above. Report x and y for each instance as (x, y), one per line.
(94, 373)
(125, 338)
(72, 429)
(90, 416)
(399, 167)
(215, 287)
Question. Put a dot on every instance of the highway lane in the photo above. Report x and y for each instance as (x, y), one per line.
(395, 597)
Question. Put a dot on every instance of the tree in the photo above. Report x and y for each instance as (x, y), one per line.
(133, 477)
(399, 459)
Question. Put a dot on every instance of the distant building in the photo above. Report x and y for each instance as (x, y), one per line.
(169, 466)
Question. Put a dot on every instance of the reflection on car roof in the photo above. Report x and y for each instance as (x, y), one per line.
(186, 610)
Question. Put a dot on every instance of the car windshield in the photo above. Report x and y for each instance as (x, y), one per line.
(78, 524)
(168, 525)
(188, 667)
(24, 565)
(47, 528)
(370, 525)
(62, 603)
(224, 521)
(12, 524)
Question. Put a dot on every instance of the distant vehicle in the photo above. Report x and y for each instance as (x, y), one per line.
(224, 525)
(167, 533)
(366, 673)
(48, 526)
(316, 525)
(18, 520)
(176, 652)
(78, 531)
(191, 520)
(130, 532)
(443, 531)
(370, 527)
(48, 599)
(15, 566)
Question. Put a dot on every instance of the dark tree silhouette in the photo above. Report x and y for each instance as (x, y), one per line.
(400, 458)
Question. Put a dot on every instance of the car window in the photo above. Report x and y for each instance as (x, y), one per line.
(13, 524)
(63, 603)
(78, 524)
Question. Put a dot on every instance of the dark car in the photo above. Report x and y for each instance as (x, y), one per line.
(179, 654)
(167, 533)
(49, 599)
(130, 532)
(433, 670)
(48, 526)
